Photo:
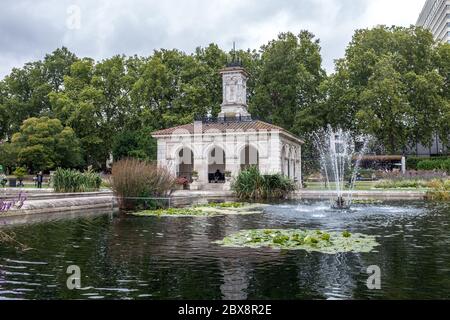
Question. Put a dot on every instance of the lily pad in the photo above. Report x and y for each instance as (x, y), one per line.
(204, 211)
(309, 240)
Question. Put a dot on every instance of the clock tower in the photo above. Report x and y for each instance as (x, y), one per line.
(234, 81)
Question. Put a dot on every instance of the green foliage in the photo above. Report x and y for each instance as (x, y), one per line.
(43, 144)
(171, 212)
(346, 234)
(68, 180)
(440, 190)
(435, 164)
(381, 87)
(224, 205)
(308, 240)
(8, 156)
(412, 162)
(251, 185)
(401, 183)
(413, 183)
(289, 77)
(203, 211)
(134, 144)
(20, 172)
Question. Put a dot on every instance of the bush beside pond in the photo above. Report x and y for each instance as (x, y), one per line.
(133, 178)
(68, 180)
(250, 184)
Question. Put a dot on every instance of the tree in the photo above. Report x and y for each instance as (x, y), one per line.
(24, 93)
(391, 84)
(80, 107)
(57, 65)
(44, 144)
(288, 80)
(442, 60)
(134, 144)
(8, 156)
(385, 111)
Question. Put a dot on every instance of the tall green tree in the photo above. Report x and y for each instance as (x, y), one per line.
(385, 111)
(80, 106)
(289, 79)
(57, 65)
(443, 67)
(44, 143)
(25, 91)
(389, 85)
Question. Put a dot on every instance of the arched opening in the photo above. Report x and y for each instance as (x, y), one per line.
(185, 160)
(216, 165)
(249, 157)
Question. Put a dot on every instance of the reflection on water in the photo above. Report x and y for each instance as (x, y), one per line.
(155, 258)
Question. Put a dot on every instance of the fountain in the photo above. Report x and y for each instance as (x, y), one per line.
(339, 159)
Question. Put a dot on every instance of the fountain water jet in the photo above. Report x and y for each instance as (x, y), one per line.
(338, 159)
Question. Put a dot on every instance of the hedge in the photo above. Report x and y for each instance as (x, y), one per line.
(434, 164)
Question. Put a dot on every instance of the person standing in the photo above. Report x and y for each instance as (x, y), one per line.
(40, 179)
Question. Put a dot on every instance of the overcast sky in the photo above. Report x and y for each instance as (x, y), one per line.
(100, 29)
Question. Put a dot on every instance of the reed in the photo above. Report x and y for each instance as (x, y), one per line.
(133, 178)
(69, 180)
(250, 184)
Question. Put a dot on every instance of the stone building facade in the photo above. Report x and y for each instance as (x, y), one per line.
(211, 152)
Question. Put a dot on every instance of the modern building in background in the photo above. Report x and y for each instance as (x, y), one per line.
(435, 16)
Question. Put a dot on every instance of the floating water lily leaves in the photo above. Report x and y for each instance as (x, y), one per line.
(318, 241)
(205, 211)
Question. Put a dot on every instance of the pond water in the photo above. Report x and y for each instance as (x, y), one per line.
(126, 257)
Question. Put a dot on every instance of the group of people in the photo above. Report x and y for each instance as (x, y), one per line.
(38, 180)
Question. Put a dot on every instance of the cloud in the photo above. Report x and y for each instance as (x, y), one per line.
(29, 29)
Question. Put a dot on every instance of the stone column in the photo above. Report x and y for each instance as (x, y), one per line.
(299, 166)
(274, 153)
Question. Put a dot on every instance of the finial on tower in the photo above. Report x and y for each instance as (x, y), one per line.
(235, 61)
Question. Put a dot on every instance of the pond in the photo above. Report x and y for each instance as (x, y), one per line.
(128, 257)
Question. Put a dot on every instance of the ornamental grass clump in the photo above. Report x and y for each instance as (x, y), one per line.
(440, 190)
(69, 180)
(250, 184)
(133, 178)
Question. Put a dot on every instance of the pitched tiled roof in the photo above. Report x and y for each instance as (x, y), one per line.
(251, 126)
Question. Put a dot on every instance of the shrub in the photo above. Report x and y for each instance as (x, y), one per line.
(68, 180)
(132, 178)
(411, 162)
(435, 164)
(20, 173)
(412, 175)
(447, 185)
(250, 184)
(401, 183)
(440, 190)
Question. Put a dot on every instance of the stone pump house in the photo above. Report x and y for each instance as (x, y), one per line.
(210, 152)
